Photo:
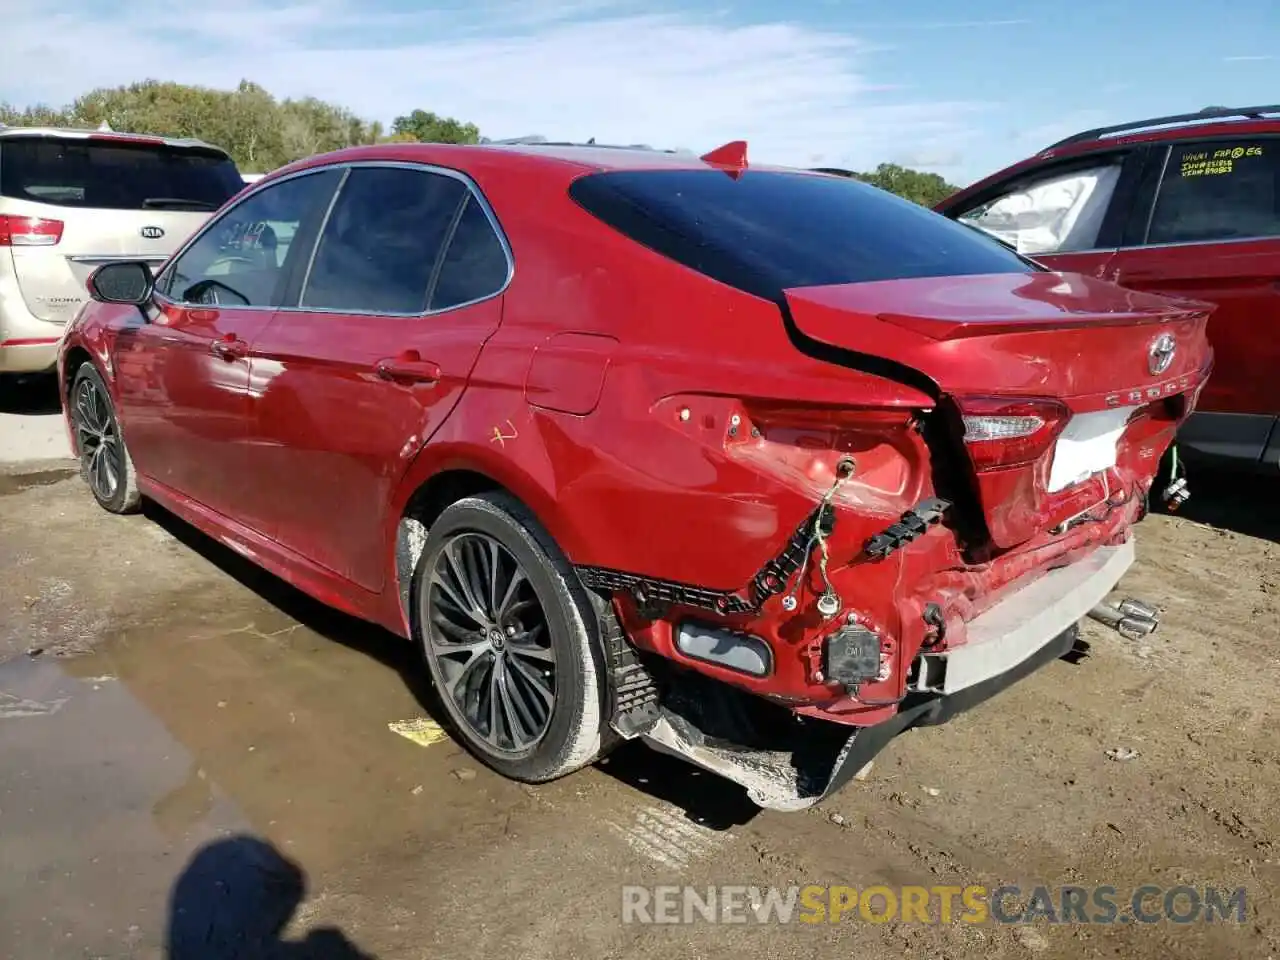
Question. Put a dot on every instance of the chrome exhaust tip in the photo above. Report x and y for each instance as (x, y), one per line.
(1132, 628)
(1132, 619)
(1137, 608)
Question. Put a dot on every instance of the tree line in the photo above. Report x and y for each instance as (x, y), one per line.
(258, 130)
(262, 132)
(919, 186)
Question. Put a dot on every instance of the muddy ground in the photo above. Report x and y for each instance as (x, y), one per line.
(191, 752)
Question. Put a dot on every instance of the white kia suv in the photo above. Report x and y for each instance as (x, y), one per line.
(73, 199)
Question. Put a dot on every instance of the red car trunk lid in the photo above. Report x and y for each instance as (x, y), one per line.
(1031, 361)
(1065, 336)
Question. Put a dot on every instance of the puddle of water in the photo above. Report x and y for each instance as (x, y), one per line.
(86, 862)
(121, 764)
(294, 728)
(126, 770)
(17, 482)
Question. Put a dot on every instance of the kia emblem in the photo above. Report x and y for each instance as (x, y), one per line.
(1160, 354)
(152, 233)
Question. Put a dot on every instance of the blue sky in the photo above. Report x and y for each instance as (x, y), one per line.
(962, 89)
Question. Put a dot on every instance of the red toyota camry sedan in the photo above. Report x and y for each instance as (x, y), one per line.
(758, 465)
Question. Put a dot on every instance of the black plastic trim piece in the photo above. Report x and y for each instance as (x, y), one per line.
(633, 693)
(926, 710)
(652, 593)
(771, 579)
(912, 525)
(1133, 231)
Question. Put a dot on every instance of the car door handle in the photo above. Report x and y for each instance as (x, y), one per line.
(229, 347)
(409, 367)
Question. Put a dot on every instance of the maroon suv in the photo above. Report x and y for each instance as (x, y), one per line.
(1186, 205)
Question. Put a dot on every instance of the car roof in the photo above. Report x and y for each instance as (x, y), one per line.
(569, 160)
(74, 133)
(1250, 119)
(1209, 124)
(600, 156)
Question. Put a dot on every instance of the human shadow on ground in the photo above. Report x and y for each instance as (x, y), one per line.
(234, 900)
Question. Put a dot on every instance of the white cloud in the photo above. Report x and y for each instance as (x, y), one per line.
(1040, 136)
(571, 69)
(950, 24)
(1248, 57)
(930, 161)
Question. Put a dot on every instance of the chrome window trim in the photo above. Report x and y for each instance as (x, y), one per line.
(346, 167)
(92, 258)
(1065, 253)
(475, 194)
(1275, 237)
(1161, 246)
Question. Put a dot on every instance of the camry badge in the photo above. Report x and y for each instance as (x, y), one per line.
(152, 233)
(1160, 354)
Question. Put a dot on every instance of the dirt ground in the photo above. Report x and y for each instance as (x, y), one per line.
(185, 740)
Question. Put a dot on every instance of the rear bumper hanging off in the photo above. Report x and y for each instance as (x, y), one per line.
(1034, 625)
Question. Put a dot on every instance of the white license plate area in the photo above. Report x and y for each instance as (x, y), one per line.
(1087, 446)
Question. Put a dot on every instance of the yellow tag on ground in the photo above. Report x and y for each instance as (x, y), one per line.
(420, 730)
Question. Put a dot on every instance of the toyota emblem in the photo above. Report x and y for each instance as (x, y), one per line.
(152, 233)
(1160, 354)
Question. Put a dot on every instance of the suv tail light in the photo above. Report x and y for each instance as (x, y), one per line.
(1001, 433)
(29, 231)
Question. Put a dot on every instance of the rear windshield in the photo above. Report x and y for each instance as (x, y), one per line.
(768, 231)
(115, 175)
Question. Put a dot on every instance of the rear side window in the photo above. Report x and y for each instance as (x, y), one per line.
(767, 231)
(1220, 190)
(475, 265)
(115, 175)
(382, 241)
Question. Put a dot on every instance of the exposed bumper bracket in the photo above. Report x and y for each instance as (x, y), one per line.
(1014, 628)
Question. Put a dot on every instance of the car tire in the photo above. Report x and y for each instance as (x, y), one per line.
(105, 464)
(495, 651)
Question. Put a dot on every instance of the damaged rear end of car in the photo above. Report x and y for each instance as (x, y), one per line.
(923, 453)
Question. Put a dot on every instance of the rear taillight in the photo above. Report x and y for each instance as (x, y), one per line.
(1001, 433)
(29, 231)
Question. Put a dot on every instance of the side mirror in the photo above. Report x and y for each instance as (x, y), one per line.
(129, 281)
